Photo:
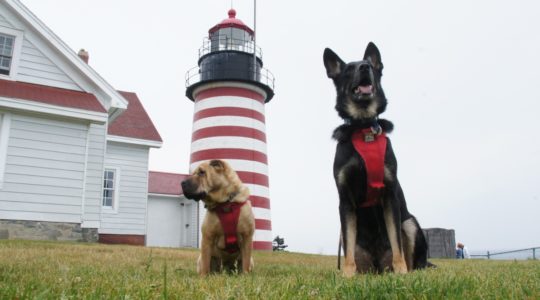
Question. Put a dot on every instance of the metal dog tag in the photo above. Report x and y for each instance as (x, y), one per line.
(369, 137)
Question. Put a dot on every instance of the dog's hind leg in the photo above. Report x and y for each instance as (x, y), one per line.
(364, 261)
(420, 253)
(393, 228)
(229, 266)
(215, 264)
(409, 229)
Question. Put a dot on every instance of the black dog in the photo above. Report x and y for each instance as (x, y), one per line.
(378, 232)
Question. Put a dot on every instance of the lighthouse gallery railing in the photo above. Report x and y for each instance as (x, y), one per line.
(224, 43)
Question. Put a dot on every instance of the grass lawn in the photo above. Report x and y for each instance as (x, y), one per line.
(56, 270)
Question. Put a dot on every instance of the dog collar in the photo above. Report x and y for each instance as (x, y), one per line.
(228, 213)
(363, 123)
(370, 143)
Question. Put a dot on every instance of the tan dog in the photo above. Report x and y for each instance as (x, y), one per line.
(225, 243)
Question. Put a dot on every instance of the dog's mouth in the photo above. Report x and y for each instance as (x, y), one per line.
(195, 196)
(364, 89)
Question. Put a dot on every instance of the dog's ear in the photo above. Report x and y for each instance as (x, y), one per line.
(333, 64)
(217, 164)
(374, 56)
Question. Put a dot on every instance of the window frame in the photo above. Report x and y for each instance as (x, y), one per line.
(7, 38)
(15, 58)
(5, 124)
(115, 189)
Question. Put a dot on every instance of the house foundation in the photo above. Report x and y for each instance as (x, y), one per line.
(52, 231)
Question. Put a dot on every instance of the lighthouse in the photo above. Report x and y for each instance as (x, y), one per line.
(230, 88)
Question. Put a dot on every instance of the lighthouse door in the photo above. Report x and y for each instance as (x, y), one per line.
(186, 228)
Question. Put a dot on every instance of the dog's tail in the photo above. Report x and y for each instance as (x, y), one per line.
(339, 252)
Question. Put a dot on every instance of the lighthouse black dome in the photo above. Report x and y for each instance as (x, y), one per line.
(229, 53)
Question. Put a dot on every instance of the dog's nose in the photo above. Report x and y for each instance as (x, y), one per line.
(184, 184)
(363, 68)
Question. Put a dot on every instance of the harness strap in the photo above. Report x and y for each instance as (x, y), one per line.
(228, 214)
(372, 148)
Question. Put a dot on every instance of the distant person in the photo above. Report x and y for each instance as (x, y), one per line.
(466, 254)
(462, 252)
(459, 252)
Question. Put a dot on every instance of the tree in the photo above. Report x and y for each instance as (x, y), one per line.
(278, 244)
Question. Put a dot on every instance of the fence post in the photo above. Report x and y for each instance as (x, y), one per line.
(534, 253)
(488, 254)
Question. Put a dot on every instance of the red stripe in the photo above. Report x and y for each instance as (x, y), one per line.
(253, 178)
(228, 111)
(257, 201)
(257, 245)
(263, 224)
(229, 153)
(229, 91)
(228, 131)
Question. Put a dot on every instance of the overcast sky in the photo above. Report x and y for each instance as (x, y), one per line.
(462, 79)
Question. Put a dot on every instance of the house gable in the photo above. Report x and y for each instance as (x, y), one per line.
(44, 59)
(30, 64)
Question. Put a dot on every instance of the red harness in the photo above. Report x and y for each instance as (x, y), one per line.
(372, 148)
(228, 214)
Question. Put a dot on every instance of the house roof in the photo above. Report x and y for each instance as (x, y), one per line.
(134, 122)
(165, 183)
(112, 101)
(50, 95)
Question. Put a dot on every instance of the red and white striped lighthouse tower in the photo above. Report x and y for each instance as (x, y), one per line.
(230, 88)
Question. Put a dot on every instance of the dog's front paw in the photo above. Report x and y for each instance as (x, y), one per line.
(400, 268)
(349, 271)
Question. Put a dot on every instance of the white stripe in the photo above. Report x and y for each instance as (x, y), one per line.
(240, 165)
(261, 213)
(234, 142)
(229, 121)
(263, 235)
(229, 101)
(258, 190)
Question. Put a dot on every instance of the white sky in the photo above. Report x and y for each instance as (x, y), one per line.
(462, 79)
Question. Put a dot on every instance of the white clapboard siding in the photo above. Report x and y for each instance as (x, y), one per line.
(130, 215)
(4, 22)
(94, 175)
(36, 67)
(44, 171)
(172, 222)
(194, 224)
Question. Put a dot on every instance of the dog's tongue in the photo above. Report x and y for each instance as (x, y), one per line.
(365, 89)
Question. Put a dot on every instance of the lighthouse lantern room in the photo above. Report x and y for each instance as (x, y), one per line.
(229, 88)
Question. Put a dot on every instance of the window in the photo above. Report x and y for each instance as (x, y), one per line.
(10, 51)
(7, 45)
(110, 189)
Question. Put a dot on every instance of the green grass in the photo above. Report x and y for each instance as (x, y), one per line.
(55, 270)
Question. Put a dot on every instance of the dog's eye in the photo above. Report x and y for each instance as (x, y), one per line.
(349, 69)
(201, 173)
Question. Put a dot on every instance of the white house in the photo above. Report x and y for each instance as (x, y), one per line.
(172, 219)
(74, 151)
